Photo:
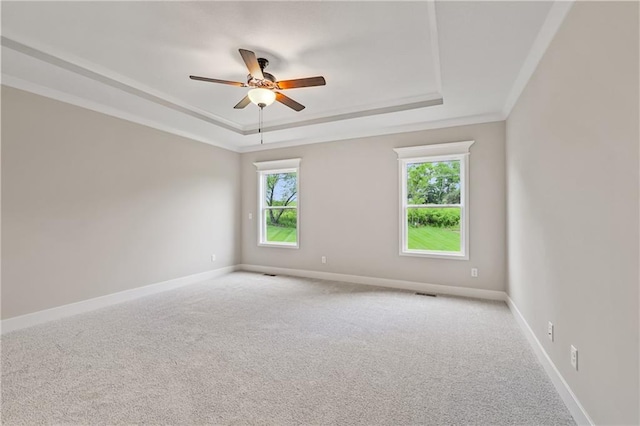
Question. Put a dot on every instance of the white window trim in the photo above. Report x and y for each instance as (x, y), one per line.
(271, 167)
(436, 152)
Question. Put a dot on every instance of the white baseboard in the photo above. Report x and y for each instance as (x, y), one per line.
(568, 397)
(380, 282)
(28, 320)
(571, 401)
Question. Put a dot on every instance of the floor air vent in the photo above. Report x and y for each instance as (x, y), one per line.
(270, 275)
(427, 294)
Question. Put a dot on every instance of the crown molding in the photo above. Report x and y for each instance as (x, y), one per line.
(109, 78)
(104, 76)
(558, 12)
(47, 92)
(57, 95)
(118, 82)
(407, 104)
(406, 128)
(415, 102)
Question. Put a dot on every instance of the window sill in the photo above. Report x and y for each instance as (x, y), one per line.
(279, 245)
(435, 255)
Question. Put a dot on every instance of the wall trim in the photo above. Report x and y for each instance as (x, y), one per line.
(370, 133)
(434, 149)
(102, 75)
(57, 95)
(458, 151)
(379, 282)
(277, 165)
(109, 78)
(47, 92)
(351, 113)
(576, 409)
(39, 317)
(572, 403)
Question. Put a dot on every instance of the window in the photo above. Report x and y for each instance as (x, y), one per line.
(278, 205)
(434, 218)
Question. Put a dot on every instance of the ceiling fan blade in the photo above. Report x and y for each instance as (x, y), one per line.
(301, 82)
(251, 61)
(213, 80)
(243, 103)
(289, 102)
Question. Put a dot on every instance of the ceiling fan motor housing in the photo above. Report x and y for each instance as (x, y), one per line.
(269, 81)
(265, 88)
(263, 63)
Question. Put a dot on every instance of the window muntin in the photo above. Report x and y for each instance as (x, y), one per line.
(433, 200)
(278, 204)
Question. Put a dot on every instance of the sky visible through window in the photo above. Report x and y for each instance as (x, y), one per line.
(281, 188)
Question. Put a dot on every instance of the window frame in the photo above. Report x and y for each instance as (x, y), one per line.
(265, 168)
(452, 151)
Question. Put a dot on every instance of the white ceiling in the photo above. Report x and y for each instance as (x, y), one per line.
(389, 66)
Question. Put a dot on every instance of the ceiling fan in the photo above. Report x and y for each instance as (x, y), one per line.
(264, 86)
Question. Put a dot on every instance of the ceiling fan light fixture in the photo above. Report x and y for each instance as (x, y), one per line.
(262, 97)
(263, 85)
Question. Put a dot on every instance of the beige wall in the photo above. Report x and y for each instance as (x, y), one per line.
(572, 173)
(349, 209)
(94, 205)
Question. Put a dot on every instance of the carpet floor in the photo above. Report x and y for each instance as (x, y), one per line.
(252, 349)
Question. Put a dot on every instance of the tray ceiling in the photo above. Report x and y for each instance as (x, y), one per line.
(389, 66)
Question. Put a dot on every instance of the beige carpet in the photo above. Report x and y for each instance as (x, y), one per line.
(253, 349)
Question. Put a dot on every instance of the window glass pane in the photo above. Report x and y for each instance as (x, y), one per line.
(433, 229)
(433, 182)
(281, 225)
(281, 189)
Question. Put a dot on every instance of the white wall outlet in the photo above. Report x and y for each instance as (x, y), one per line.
(574, 357)
(474, 272)
(550, 331)
(213, 257)
(250, 216)
(324, 259)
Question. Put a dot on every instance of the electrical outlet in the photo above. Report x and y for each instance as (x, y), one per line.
(574, 357)
(550, 331)
(250, 216)
(324, 259)
(213, 257)
(474, 272)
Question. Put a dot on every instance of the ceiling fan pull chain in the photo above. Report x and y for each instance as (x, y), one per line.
(260, 125)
